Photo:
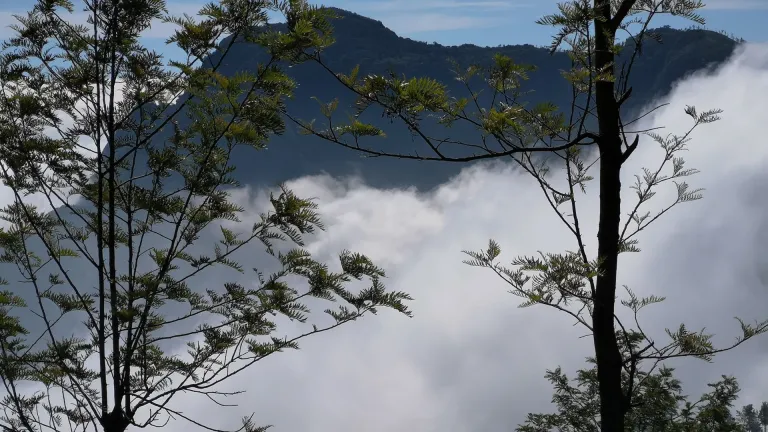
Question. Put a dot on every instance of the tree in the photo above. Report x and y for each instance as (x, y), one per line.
(749, 419)
(658, 396)
(593, 133)
(715, 414)
(133, 157)
(764, 415)
(664, 408)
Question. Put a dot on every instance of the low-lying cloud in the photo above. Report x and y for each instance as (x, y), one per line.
(469, 359)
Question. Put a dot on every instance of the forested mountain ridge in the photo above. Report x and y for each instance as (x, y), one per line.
(376, 49)
(154, 211)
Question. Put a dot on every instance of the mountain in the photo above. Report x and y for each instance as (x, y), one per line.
(377, 49)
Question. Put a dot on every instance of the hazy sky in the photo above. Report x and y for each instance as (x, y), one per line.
(470, 360)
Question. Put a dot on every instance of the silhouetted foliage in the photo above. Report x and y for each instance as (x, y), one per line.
(103, 286)
(589, 137)
(376, 49)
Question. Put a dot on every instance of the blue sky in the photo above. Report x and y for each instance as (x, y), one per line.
(490, 23)
(482, 22)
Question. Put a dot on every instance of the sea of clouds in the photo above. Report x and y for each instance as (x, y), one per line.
(469, 359)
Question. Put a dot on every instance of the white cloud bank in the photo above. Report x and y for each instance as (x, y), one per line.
(470, 360)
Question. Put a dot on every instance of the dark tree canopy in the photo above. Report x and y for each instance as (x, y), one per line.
(588, 141)
(105, 317)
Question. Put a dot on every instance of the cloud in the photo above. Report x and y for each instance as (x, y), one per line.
(157, 31)
(469, 359)
(87, 146)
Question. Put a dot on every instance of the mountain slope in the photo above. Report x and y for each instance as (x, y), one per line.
(376, 49)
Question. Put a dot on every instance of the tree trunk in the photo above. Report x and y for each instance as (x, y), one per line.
(115, 421)
(607, 354)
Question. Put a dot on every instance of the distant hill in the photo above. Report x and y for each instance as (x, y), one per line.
(377, 49)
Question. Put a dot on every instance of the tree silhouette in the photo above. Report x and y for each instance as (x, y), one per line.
(106, 318)
(590, 135)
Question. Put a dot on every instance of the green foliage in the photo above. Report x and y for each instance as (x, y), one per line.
(749, 419)
(591, 134)
(83, 110)
(507, 128)
(763, 415)
(659, 405)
